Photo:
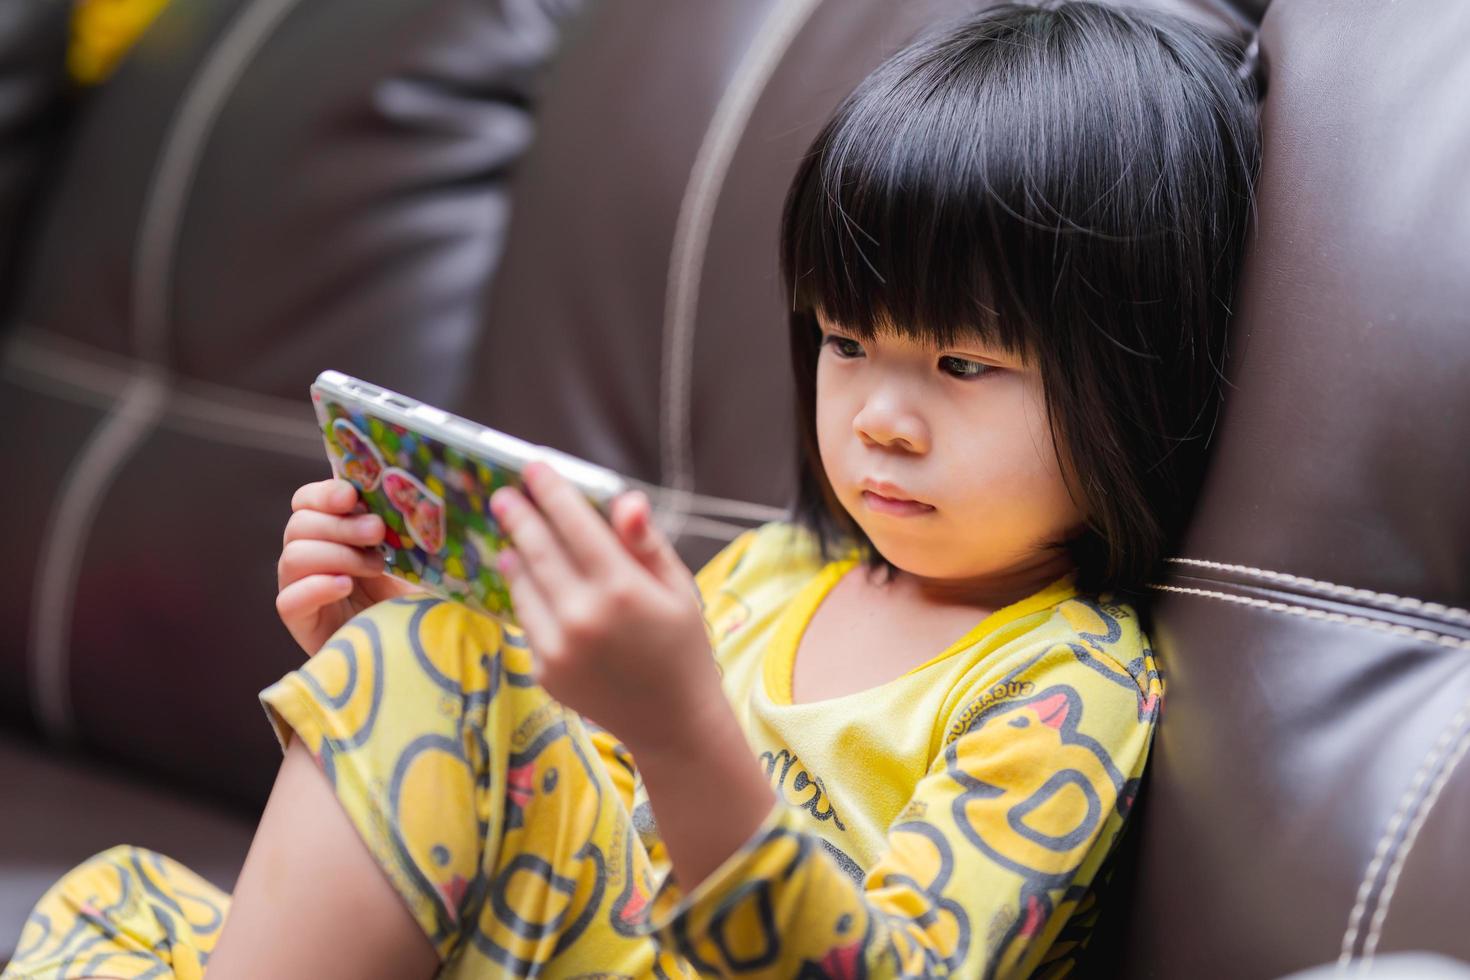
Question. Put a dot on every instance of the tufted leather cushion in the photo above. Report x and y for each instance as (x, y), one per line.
(32, 108)
(1308, 793)
(264, 189)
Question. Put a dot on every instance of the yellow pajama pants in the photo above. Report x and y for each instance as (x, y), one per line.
(505, 822)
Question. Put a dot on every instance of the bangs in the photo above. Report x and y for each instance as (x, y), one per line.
(978, 180)
(896, 219)
(890, 230)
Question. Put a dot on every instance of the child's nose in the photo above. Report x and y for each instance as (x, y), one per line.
(885, 422)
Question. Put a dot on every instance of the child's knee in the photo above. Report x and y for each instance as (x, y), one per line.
(103, 877)
(123, 857)
(454, 645)
(447, 645)
(410, 667)
(121, 854)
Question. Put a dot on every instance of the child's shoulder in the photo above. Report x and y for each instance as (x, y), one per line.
(1104, 626)
(1112, 633)
(1083, 649)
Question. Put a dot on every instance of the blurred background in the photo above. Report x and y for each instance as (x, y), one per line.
(559, 217)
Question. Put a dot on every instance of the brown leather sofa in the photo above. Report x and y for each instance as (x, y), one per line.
(269, 188)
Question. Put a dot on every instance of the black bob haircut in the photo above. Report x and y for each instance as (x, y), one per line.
(1072, 183)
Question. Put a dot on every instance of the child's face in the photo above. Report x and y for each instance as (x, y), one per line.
(944, 458)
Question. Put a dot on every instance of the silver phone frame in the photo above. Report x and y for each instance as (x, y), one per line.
(598, 483)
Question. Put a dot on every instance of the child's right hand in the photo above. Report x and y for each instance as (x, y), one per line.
(330, 569)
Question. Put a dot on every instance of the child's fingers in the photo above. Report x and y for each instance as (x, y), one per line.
(362, 530)
(632, 519)
(334, 496)
(304, 598)
(535, 542)
(306, 556)
(582, 532)
(631, 514)
(532, 610)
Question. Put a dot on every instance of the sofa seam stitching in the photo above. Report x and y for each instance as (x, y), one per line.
(1322, 615)
(717, 148)
(1397, 602)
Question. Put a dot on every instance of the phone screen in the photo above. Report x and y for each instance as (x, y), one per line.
(433, 497)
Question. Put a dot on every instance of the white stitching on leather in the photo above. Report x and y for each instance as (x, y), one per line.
(173, 179)
(691, 238)
(212, 411)
(706, 505)
(704, 527)
(82, 365)
(1430, 762)
(1390, 833)
(1401, 603)
(1390, 884)
(87, 479)
(212, 421)
(128, 423)
(63, 368)
(711, 506)
(1322, 615)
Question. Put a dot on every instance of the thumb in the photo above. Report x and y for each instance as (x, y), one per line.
(632, 518)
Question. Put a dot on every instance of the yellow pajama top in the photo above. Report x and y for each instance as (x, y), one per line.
(950, 822)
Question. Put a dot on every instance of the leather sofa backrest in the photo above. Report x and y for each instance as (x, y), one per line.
(1309, 795)
(264, 189)
(32, 109)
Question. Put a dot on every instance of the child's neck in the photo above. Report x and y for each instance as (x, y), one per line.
(987, 591)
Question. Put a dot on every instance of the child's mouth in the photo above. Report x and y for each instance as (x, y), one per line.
(893, 506)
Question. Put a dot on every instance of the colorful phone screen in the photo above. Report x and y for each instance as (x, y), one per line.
(433, 497)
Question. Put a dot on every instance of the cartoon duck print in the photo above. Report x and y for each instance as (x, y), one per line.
(1038, 821)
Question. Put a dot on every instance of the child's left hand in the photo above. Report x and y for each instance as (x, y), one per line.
(611, 612)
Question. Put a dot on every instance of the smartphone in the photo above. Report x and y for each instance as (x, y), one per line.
(429, 475)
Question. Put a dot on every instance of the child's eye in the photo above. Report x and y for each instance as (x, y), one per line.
(961, 367)
(843, 346)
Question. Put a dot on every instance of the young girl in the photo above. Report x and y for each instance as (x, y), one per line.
(929, 703)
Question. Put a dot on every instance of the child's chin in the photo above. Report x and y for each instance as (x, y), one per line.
(913, 556)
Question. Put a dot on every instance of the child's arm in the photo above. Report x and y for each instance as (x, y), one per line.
(614, 619)
(1001, 841)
